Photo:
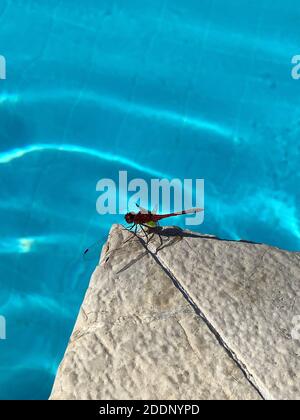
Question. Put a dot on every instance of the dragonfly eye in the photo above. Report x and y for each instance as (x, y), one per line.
(129, 217)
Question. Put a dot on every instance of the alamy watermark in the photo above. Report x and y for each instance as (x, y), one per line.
(296, 68)
(2, 328)
(178, 194)
(2, 67)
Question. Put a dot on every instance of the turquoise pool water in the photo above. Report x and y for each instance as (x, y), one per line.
(193, 89)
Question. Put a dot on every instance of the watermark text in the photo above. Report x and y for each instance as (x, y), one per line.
(296, 67)
(2, 67)
(162, 194)
(2, 328)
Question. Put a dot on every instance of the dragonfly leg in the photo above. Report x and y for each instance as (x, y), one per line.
(129, 230)
(145, 233)
(160, 238)
(152, 230)
(158, 232)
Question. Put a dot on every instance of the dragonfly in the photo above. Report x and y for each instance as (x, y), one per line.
(147, 220)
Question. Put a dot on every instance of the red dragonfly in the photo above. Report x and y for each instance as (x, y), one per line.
(149, 220)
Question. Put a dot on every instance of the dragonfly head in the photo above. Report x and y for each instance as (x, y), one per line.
(129, 217)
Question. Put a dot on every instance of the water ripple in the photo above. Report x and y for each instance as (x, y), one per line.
(30, 244)
(22, 301)
(166, 116)
(9, 97)
(13, 154)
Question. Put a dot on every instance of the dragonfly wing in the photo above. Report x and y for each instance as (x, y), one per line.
(154, 211)
(93, 252)
(142, 209)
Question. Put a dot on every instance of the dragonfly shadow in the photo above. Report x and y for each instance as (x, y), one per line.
(175, 231)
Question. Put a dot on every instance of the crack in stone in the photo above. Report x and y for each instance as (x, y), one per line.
(188, 340)
(249, 377)
(257, 266)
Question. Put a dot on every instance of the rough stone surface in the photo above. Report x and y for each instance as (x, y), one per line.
(199, 319)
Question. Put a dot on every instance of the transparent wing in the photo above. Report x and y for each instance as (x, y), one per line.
(154, 211)
(142, 209)
(93, 252)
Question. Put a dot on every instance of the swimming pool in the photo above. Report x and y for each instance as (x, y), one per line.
(187, 88)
